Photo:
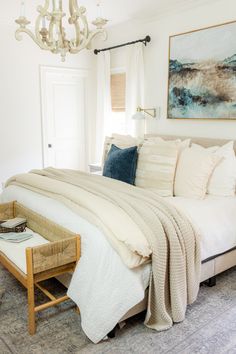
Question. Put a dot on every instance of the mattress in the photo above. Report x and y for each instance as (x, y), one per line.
(102, 286)
(215, 220)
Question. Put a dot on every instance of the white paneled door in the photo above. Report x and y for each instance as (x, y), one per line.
(63, 93)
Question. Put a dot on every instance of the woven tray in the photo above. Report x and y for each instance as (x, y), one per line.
(19, 228)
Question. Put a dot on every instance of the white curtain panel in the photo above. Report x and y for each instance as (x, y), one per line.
(134, 88)
(103, 116)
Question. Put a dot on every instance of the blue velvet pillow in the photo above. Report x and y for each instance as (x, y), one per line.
(121, 164)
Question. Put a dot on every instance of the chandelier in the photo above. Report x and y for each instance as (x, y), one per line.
(50, 33)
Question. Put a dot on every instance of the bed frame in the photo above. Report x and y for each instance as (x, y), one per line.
(212, 266)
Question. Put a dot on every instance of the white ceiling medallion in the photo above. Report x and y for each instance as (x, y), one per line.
(50, 33)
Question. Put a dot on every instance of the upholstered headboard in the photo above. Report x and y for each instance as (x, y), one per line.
(206, 142)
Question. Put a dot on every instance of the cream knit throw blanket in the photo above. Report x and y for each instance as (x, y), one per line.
(153, 226)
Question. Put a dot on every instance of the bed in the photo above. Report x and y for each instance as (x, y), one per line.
(108, 292)
(224, 258)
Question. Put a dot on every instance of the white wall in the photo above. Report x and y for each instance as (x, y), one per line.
(20, 115)
(156, 62)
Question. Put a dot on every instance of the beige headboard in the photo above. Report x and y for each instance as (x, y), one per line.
(206, 142)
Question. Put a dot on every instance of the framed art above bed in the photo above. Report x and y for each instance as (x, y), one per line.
(202, 73)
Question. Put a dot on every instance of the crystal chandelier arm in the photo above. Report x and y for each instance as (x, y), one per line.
(44, 9)
(43, 12)
(85, 25)
(73, 5)
(87, 42)
(23, 22)
(51, 25)
(87, 35)
(54, 25)
(60, 34)
(73, 20)
(81, 11)
(30, 34)
(21, 30)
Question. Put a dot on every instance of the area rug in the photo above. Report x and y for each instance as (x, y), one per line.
(209, 327)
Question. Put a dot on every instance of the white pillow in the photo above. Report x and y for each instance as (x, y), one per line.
(181, 144)
(193, 172)
(223, 179)
(156, 166)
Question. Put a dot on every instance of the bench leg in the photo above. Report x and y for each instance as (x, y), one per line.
(30, 290)
(31, 312)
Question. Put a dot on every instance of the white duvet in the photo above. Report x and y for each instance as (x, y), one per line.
(102, 286)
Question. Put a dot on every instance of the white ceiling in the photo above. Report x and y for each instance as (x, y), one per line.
(116, 11)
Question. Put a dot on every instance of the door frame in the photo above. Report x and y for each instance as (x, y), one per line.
(43, 72)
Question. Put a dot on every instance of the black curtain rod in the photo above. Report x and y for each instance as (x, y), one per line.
(144, 41)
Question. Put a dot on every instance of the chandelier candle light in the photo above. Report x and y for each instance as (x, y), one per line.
(53, 37)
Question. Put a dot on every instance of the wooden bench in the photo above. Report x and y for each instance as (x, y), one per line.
(43, 261)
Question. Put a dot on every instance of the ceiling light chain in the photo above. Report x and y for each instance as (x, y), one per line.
(53, 37)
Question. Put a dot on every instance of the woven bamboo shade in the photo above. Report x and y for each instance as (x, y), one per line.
(118, 92)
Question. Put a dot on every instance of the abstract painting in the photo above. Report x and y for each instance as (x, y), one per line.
(202, 74)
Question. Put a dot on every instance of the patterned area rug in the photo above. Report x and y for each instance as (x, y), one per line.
(210, 326)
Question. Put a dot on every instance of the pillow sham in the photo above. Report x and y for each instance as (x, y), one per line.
(121, 164)
(193, 172)
(223, 179)
(156, 166)
(121, 141)
(183, 144)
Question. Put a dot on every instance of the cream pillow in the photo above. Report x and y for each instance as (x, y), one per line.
(182, 144)
(194, 170)
(156, 166)
(121, 141)
(223, 179)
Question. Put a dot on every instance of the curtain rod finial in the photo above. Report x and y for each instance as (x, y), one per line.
(147, 39)
(96, 51)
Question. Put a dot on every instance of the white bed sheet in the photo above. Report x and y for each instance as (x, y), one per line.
(102, 286)
(215, 220)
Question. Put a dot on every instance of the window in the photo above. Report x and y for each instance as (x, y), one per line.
(118, 91)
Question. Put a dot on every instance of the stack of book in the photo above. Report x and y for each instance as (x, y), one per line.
(9, 230)
(16, 237)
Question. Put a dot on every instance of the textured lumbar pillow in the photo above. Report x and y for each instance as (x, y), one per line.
(121, 164)
(194, 169)
(223, 179)
(156, 165)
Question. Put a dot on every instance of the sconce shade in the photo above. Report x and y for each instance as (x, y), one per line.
(138, 116)
(140, 113)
